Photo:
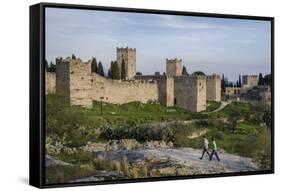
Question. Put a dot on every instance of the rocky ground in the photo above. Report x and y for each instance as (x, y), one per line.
(165, 161)
(187, 158)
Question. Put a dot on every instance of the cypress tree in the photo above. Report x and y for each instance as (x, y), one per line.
(184, 72)
(100, 69)
(123, 71)
(115, 74)
(240, 82)
(73, 57)
(52, 67)
(109, 73)
(94, 67)
(223, 83)
(261, 81)
(46, 66)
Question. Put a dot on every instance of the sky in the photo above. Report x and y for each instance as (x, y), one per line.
(212, 45)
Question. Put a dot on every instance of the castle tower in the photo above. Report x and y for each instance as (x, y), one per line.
(249, 81)
(174, 67)
(127, 56)
(213, 87)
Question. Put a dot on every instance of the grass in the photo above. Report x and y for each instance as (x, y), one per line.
(212, 105)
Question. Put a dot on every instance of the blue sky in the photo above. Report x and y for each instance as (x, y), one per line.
(212, 45)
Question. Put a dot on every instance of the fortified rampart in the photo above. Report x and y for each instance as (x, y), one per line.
(74, 80)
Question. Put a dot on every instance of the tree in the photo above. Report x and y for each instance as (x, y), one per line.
(109, 73)
(139, 73)
(52, 67)
(239, 80)
(123, 70)
(261, 81)
(223, 83)
(184, 72)
(267, 80)
(94, 67)
(199, 73)
(267, 118)
(115, 74)
(100, 69)
(237, 83)
(46, 66)
(73, 57)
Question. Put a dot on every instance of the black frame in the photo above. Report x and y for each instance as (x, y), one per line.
(37, 93)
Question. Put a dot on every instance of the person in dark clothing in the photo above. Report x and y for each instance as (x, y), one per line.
(205, 147)
(214, 150)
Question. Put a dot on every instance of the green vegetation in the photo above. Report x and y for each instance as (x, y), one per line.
(239, 128)
(94, 67)
(100, 69)
(184, 71)
(212, 105)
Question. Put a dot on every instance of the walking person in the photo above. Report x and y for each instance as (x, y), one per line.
(205, 147)
(214, 150)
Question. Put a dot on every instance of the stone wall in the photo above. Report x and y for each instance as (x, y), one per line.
(50, 83)
(190, 92)
(85, 86)
(232, 91)
(213, 88)
(75, 81)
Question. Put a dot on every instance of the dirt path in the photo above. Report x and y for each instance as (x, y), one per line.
(223, 104)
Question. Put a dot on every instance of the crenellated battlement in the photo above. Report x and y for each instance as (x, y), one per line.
(169, 61)
(125, 49)
(213, 77)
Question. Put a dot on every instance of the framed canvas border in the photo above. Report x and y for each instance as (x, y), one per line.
(37, 93)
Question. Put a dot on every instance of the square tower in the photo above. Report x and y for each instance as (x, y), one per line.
(126, 60)
(174, 67)
(249, 81)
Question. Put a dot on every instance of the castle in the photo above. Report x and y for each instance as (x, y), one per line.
(249, 91)
(73, 79)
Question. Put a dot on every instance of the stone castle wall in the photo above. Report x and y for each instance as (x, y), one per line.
(50, 82)
(213, 83)
(85, 86)
(190, 92)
